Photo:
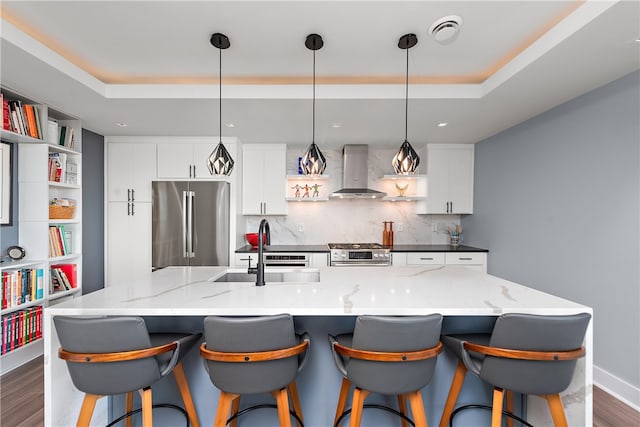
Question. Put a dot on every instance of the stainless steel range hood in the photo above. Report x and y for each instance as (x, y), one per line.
(355, 176)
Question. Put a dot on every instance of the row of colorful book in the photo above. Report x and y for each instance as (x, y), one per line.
(22, 286)
(20, 328)
(20, 118)
(59, 241)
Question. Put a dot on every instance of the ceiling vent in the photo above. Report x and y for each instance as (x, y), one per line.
(445, 29)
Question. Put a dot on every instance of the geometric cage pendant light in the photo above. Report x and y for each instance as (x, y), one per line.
(313, 161)
(406, 160)
(220, 161)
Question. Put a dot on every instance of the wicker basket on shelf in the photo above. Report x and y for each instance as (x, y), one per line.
(61, 212)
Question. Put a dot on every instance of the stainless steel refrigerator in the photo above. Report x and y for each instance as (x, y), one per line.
(190, 223)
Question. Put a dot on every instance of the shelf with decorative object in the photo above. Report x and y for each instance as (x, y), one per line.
(407, 188)
(307, 188)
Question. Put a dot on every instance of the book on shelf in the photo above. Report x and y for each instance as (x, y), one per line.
(69, 274)
(57, 167)
(22, 286)
(65, 136)
(20, 328)
(20, 118)
(52, 131)
(6, 121)
(59, 241)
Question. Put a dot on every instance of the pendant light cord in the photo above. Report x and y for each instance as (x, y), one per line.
(313, 134)
(406, 98)
(220, 94)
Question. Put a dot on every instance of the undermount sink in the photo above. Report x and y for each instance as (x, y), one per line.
(271, 276)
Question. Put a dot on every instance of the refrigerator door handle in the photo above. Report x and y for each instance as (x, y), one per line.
(192, 196)
(185, 209)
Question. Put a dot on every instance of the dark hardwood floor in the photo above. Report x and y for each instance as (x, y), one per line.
(22, 401)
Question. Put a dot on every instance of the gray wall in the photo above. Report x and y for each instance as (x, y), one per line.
(9, 232)
(92, 211)
(557, 203)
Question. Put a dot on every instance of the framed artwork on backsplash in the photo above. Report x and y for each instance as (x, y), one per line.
(5, 183)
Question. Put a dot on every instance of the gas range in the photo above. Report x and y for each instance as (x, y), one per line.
(358, 254)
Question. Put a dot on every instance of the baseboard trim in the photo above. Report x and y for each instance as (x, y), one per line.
(618, 388)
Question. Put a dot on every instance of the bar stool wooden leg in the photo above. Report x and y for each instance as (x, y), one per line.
(183, 387)
(454, 391)
(342, 400)
(128, 408)
(496, 413)
(417, 408)
(509, 395)
(147, 407)
(86, 411)
(292, 388)
(282, 400)
(557, 411)
(224, 403)
(235, 408)
(357, 402)
(402, 405)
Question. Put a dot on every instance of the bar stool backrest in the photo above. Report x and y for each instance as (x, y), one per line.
(107, 335)
(250, 334)
(535, 333)
(393, 334)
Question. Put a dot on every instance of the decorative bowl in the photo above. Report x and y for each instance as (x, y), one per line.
(252, 239)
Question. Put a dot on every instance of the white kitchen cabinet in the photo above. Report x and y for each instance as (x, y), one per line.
(449, 179)
(185, 160)
(128, 240)
(475, 260)
(264, 179)
(130, 169)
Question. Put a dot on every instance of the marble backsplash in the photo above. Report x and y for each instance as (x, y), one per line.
(353, 220)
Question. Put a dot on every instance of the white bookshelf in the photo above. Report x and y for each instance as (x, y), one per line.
(34, 193)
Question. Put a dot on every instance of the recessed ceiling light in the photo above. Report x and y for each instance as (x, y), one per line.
(336, 125)
(445, 28)
(442, 124)
(122, 124)
(230, 125)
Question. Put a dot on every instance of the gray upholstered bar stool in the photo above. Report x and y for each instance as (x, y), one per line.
(252, 355)
(528, 354)
(390, 356)
(117, 355)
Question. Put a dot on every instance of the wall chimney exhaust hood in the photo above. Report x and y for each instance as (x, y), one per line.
(355, 176)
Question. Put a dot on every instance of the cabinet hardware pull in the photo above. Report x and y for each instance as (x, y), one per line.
(189, 171)
(194, 171)
(128, 194)
(426, 259)
(133, 195)
(132, 207)
(128, 208)
(465, 259)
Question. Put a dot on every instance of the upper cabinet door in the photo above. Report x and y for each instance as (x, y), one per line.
(187, 161)
(175, 161)
(130, 169)
(449, 179)
(264, 179)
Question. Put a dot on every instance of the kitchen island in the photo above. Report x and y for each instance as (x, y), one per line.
(182, 296)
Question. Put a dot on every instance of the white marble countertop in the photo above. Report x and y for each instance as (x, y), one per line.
(450, 290)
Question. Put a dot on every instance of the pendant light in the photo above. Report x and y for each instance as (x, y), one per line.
(313, 161)
(220, 161)
(406, 160)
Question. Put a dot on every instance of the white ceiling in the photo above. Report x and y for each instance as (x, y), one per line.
(150, 64)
